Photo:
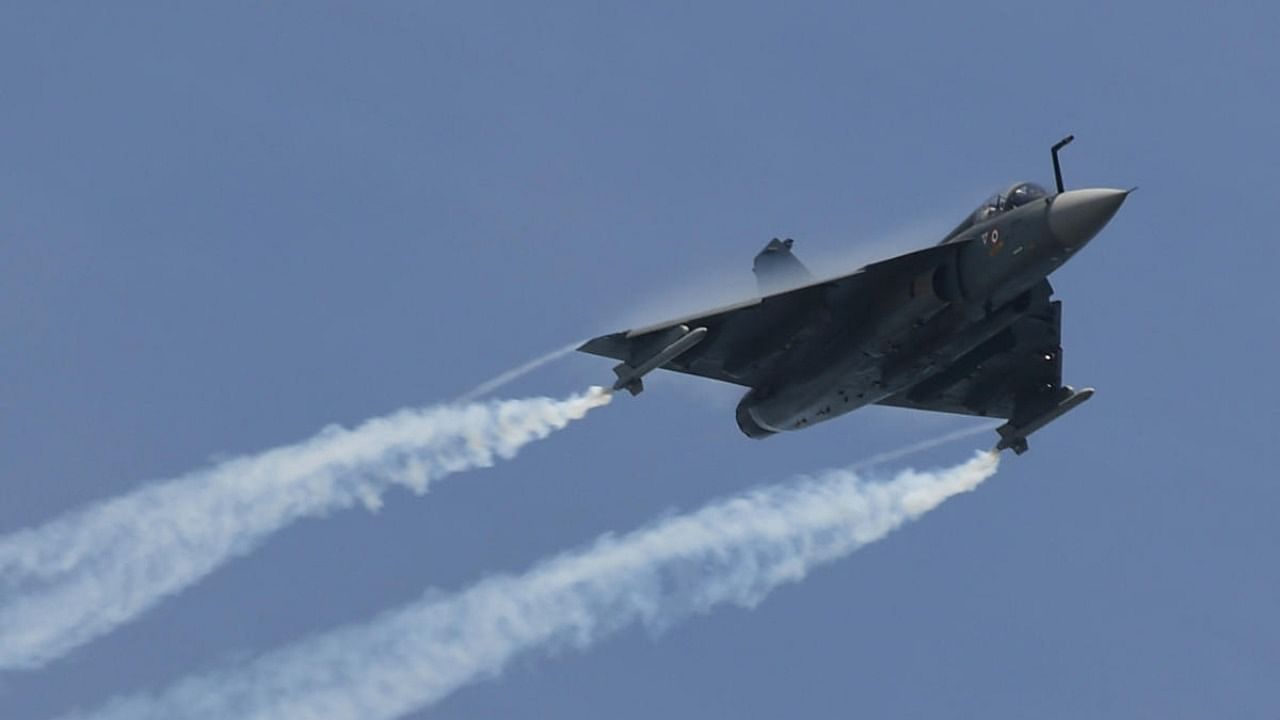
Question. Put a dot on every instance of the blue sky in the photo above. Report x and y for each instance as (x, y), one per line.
(224, 227)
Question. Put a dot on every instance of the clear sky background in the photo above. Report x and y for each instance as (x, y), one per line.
(223, 227)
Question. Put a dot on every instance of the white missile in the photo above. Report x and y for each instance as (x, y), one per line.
(629, 376)
(1014, 437)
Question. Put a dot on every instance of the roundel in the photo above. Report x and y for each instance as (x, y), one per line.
(994, 243)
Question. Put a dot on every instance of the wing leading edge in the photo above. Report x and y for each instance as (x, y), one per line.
(743, 339)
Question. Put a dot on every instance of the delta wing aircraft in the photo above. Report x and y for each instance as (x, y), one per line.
(966, 326)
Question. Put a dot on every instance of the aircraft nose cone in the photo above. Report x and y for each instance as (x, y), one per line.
(1075, 216)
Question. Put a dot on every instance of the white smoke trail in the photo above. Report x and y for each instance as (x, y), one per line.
(912, 449)
(489, 386)
(77, 577)
(734, 551)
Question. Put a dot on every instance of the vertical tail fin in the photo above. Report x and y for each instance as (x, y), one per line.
(777, 269)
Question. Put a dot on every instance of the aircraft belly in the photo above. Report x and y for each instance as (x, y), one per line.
(876, 345)
(872, 366)
(837, 389)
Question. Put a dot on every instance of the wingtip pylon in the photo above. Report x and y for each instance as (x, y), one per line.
(1013, 435)
(630, 376)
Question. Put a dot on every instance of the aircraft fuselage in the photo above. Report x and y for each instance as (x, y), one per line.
(872, 346)
(968, 326)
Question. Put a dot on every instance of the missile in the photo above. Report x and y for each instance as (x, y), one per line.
(629, 377)
(1014, 437)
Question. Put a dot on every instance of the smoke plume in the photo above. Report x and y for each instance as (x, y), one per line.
(79, 576)
(730, 552)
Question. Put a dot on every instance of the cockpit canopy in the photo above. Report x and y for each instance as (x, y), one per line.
(1014, 197)
(1023, 193)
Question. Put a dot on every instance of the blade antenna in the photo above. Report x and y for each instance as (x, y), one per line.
(1057, 168)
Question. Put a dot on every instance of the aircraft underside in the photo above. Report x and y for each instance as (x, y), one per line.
(967, 326)
(869, 366)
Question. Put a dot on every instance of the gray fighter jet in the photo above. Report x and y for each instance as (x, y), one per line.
(966, 326)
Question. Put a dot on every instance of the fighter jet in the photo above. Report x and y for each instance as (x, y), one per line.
(966, 326)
